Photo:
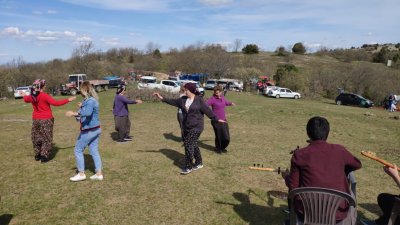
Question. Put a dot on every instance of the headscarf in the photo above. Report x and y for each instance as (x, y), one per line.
(192, 88)
(36, 88)
(121, 88)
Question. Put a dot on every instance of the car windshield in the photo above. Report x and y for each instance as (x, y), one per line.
(22, 88)
(360, 97)
(211, 82)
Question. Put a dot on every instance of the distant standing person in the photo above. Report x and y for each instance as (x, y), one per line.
(88, 115)
(221, 130)
(121, 114)
(43, 120)
(193, 110)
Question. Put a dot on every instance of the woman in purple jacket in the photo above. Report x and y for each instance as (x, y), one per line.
(221, 130)
(121, 114)
(193, 109)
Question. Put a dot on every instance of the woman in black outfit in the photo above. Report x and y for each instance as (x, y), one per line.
(193, 110)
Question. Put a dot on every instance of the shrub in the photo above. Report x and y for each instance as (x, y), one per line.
(299, 48)
(250, 49)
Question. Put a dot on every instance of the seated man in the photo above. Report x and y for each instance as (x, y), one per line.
(321, 164)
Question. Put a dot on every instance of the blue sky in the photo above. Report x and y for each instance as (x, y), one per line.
(43, 30)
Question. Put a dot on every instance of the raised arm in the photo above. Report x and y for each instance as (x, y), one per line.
(54, 102)
(394, 173)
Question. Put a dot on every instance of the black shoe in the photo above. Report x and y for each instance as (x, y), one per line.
(38, 158)
(121, 141)
(224, 151)
(44, 159)
(217, 151)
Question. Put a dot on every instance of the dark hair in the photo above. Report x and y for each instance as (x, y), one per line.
(318, 128)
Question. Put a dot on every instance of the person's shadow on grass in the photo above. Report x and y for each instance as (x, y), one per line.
(89, 164)
(55, 149)
(251, 213)
(171, 136)
(177, 157)
(5, 219)
(114, 136)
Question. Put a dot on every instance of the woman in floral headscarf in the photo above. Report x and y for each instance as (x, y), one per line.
(43, 120)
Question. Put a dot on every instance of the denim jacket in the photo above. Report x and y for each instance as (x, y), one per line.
(89, 114)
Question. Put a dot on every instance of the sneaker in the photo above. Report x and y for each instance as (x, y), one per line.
(186, 171)
(97, 177)
(38, 157)
(121, 141)
(78, 177)
(128, 139)
(198, 167)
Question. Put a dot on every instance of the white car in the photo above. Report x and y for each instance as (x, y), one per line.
(20, 90)
(283, 93)
(269, 88)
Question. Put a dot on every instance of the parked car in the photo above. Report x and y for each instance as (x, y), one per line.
(116, 82)
(19, 90)
(283, 93)
(353, 99)
(232, 84)
(269, 88)
(210, 84)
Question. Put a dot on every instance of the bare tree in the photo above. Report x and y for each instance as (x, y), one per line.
(237, 44)
(151, 47)
(82, 57)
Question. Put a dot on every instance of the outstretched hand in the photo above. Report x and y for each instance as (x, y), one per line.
(70, 113)
(393, 172)
(222, 121)
(138, 101)
(156, 94)
(71, 98)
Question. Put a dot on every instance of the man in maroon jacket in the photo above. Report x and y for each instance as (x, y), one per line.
(321, 164)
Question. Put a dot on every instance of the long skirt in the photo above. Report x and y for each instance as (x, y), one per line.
(42, 137)
(122, 126)
(222, 137)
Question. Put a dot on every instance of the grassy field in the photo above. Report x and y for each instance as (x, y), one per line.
(142, 183)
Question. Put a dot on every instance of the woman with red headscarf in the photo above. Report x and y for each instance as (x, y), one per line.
(193, 109)
(43, 120)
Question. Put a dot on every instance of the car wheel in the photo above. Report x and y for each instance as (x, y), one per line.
(97, 88)
(73, 92)
(277, 96)
(338, 102)
(105, 87)
(296, 97)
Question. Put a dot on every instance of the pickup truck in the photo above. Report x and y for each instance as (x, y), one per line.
(75, 81)
(166, 85)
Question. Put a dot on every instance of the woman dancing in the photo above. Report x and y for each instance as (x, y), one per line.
(193, 109)
(88, 115)
(221, 130)
(43, 120)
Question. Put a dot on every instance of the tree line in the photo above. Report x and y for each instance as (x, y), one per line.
(312, 75)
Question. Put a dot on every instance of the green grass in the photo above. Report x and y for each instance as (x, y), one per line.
(142, 183)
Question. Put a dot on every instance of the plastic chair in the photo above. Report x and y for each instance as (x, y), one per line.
(320, 206)
(395, 211)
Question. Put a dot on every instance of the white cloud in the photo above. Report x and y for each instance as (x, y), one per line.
(111, 41)
(46, 38)
(216, 2)
(51, 11)
(69, 33)
(81, 39)
(11, 31)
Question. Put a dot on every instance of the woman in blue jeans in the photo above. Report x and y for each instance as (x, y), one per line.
(88, 116)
